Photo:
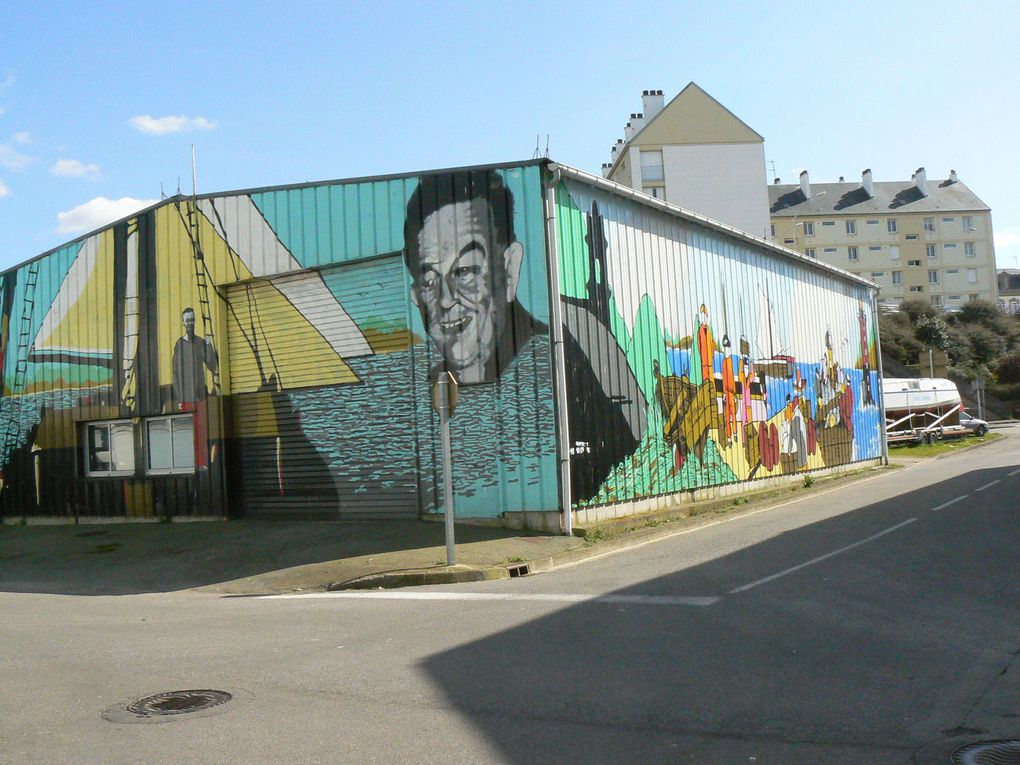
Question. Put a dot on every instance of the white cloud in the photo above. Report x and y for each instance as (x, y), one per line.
(73, 168)
(11, 158)
(98, 212)
(4, 191)
(170, 124)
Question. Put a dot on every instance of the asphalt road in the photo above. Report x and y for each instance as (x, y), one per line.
(874, 623)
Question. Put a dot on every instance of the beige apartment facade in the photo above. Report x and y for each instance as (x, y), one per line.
(928, 239)
(694, 153)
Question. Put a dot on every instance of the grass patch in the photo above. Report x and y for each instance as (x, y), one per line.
(947, 446)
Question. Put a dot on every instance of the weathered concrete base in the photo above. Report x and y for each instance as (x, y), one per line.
(548, 521)
(590, 515)
(82, 520)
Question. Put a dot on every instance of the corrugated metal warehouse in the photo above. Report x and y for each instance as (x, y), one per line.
(272, 352)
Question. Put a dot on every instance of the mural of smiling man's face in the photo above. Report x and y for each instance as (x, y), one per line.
(464, 286)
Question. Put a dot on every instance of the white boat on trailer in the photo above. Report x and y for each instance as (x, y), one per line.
(921, 410)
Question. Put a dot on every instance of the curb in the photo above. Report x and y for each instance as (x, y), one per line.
(387, 580)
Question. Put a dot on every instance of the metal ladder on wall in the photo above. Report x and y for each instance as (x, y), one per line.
(129, 392)
(14, 424)
(201, 280)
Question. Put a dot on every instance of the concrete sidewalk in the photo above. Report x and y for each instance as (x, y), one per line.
(247, 557)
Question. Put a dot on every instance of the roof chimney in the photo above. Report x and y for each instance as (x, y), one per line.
(637, 121)
(651, 103)
(605, 169)
(805, 184)
(952, 176)
(866, 183)
(841, 179)
(921, 181)
(776, 181)
(628, 131)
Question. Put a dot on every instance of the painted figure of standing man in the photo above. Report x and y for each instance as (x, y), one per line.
(192, 356)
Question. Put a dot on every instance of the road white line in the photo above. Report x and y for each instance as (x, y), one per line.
(819, 559)
(988, 485)
(1010, 475)
(944, 505)
(641, 600)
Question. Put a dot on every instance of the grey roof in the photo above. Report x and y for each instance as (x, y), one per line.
(787, 200)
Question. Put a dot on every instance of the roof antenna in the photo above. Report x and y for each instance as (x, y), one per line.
(178, 185)
(194, 173)
(547, 146)
(538, 150)
(162, 194)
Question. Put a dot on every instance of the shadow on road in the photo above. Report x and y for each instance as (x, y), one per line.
(122, 559)
(876, 655)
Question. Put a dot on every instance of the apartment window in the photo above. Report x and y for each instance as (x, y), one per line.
(897, 277)
(913, 262)
(851, 227)
(948, 220)
(830, 249)
(936, 300)
(875, 248)
(917, 289)
(894, 252)
(953, 271)
(659, 192)
(931, 250)
(810, 252)
(872, 222)
(788, 241)
(109, 448)
(933, 276)
(772, 230)
(170, 444)
(968, 223)
(852, 253)
(929, 224)
(890, 225)
(828, 223)
(809, 228)
(968, 249)
(911, 236)
(651, 166)
(949, 246)
(972, 276)
(954, 297)
(877, 274)
(972, 297)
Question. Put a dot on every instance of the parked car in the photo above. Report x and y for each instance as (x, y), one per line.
(976, 426)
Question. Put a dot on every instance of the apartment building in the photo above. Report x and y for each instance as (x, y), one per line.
(1009, 290)
(694, 153)
(921, 238)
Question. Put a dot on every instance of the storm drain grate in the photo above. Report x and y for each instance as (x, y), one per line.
(1006, 752)
(519, 570)
(178, 702)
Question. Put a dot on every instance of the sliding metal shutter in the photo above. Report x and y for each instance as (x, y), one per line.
(317, 432)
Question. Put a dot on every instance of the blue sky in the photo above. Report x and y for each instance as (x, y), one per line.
(100, 102)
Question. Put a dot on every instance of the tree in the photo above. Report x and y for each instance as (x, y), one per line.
(1008, 369)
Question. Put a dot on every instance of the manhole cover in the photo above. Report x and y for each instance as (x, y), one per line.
(178, 702)
(988, 753)
(174, 705)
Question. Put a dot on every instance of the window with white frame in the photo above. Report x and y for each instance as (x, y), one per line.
(929, 224)
(968, 223)
(933, 276)
(913, 262)
(659, 192)
(917, 289)
(852, 253)
(877, 274)
(972, 276)
(894, 252)
(897, 277)
(809, 228)
(890, 225)
(651, 166)
(851, 227)
(810, 252)
(170, 444)
(931, 250)
(948, 220)
(936, 300)
(968, 249)
(949, 246)
(830, 249)
(109, 448)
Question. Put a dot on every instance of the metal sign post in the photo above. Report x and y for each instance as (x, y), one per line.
(444, 401)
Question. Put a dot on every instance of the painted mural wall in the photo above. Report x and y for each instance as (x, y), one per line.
(695, 360)
(274, 351)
